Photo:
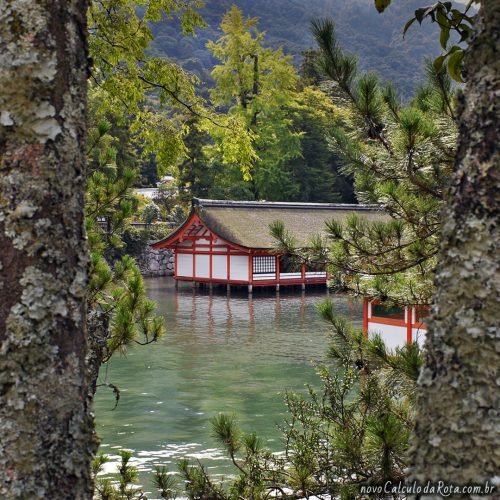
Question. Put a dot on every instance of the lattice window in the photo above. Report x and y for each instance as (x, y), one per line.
(264, 264)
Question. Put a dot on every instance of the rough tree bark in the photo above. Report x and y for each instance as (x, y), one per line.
(46, 428)
(457, 438)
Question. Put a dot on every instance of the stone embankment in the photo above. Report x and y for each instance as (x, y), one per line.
(156, 262)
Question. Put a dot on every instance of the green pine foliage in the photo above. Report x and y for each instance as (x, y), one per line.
(400, 157)
(116, 289)
(126, 487)
(116, 293)
(353, 432)
(286, 120)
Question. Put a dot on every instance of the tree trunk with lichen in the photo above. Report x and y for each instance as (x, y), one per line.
(46, 426)
(457, 437)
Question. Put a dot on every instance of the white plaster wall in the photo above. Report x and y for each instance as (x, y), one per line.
(202, 266)
(219, 267)
(393, 336)
(185, 265)
(239, 267)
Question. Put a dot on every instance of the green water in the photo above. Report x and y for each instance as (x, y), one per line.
(222, 353)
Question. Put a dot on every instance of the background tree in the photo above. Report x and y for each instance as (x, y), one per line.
(203, 173)
(153, 95)
(47, 431)
(131, 85)
(288, 120)
(317, 170)
(151, 213)
(257, 85)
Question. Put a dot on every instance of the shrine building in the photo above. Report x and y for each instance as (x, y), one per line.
(230, 243)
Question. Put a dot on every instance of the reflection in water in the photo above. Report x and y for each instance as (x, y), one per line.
(223, 352)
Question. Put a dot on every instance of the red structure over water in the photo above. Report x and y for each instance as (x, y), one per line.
(230, 243)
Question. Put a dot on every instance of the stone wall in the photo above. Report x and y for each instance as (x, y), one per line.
(156, 262)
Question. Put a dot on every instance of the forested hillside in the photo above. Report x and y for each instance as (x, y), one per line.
(376, 39)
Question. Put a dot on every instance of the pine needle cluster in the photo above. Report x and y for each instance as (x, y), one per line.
(122, 314)
(401, 157)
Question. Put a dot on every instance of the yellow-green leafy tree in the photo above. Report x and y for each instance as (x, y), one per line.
(256, 85)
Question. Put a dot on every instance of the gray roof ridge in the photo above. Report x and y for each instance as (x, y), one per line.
(201, 203)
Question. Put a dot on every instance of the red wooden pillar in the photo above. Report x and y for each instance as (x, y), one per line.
(365, 316)
(278, 268)
(193, 247)
(250, 268)
(409, 324)
(210, 257)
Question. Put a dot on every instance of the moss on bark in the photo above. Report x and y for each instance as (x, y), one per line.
(47, 428)
(458, 420)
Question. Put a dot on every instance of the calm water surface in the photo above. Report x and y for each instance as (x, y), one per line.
(222, 353)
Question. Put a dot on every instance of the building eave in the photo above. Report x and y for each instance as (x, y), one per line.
(207, 203)
(177, 236)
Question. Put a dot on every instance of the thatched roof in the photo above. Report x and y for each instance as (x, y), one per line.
(246, 223)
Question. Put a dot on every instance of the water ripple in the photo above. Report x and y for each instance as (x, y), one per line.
(234, 354)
